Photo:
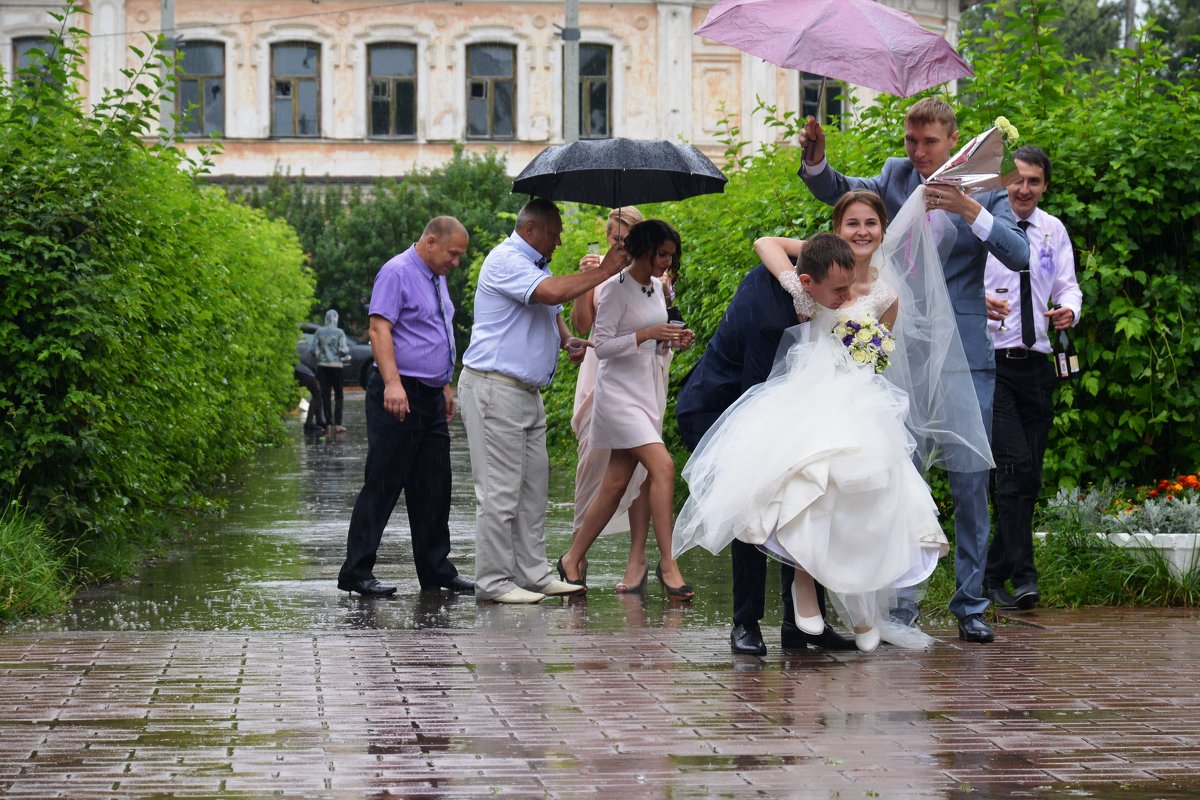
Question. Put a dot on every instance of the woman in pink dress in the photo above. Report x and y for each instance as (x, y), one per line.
(631, 328)
(633, 511)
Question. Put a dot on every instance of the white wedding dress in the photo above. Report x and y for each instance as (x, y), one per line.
(815, 466)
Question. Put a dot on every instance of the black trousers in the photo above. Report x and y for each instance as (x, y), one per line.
(413, 457)
(749, 563)
(331, 383)
(1021, 418)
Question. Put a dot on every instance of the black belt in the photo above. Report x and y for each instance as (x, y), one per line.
(410, 382)
(1017, 353)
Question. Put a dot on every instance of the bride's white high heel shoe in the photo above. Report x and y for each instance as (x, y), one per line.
(867, 640)
(813, 626)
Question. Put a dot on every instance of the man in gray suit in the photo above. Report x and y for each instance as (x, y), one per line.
(985, 224)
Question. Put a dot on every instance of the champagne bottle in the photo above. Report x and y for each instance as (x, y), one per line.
(1066, 360)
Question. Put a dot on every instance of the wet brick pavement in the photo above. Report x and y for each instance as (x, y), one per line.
(1091, 703)
(235, 669)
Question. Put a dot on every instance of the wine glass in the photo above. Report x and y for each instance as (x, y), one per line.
(1003, 291)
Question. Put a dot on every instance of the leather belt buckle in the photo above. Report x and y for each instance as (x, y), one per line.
(1016, 354)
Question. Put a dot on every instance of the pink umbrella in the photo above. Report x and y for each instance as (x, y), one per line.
(857, 41)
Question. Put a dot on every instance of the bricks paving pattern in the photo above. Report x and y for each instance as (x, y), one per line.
(1098, 703)
(234, 669)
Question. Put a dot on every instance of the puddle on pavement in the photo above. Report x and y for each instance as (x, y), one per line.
(271, 562)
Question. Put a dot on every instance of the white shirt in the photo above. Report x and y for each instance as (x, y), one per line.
(1051, 278)
(513, 334)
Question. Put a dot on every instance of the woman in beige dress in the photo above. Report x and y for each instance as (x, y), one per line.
(631, 329)
(633, 510)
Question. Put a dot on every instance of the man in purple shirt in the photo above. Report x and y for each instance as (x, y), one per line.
(409, 408)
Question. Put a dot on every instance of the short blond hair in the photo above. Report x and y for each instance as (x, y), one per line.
(928, 110)
(626, 214)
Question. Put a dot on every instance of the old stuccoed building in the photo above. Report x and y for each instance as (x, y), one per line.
(355, 89)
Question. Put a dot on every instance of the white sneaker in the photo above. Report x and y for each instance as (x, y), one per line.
(517, 595)
(556, 587)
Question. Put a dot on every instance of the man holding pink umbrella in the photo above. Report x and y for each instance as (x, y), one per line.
(983, 224)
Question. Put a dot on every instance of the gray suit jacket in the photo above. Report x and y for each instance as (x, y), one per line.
(965, 266)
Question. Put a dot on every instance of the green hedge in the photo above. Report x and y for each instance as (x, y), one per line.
(349, 234)
(148, 328)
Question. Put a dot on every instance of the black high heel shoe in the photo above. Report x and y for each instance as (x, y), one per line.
(562, 574)
(679, 594)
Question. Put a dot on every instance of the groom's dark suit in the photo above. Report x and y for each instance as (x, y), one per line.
(963, 269)
(739, 356)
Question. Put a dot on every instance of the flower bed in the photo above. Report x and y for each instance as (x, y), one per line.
(1163, 521)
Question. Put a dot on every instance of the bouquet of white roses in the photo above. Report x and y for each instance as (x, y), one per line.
(869, 341)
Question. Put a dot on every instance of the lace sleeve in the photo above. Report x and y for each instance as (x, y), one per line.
(801, 300)
(880, 298)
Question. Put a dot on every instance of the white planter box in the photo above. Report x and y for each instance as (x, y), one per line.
(1178, 549)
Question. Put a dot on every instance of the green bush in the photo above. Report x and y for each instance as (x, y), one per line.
(148, 327)
(1124, 151)
(349, 234)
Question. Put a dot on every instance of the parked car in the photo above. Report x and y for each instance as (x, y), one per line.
(356, 370)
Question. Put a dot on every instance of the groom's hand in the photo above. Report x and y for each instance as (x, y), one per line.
(952, 200)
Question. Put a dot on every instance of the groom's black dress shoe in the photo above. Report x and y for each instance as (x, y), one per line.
(458, 584)
(792, 638)
(1026, 597)
(747, 640)
(972, 628)
(368, 587)
(1000, 598)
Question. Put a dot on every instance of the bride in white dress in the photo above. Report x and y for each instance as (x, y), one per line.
(816, 465)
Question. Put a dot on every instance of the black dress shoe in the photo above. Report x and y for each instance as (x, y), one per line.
(368, 587)
(747, 640)
(460, 585)
(972, 628)
(792, 638)
(1000, 598)
(1026, 597)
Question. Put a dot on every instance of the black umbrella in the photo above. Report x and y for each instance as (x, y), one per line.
(619, 172)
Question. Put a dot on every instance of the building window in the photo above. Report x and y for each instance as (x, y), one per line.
(392, 83)
(201, 88)
(23, 52)
(296, 93)
(595, 93)
(810, 98)
(491, 91)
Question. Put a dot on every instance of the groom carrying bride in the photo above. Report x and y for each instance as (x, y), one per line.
(739, 356)
(982, 224)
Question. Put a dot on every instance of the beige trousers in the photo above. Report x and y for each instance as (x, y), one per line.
(506, 436)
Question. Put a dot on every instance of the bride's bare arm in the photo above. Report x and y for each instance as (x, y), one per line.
(888, 317)
(777, 252)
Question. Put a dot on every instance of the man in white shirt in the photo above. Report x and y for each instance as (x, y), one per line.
(1019, 310)
(515, 341)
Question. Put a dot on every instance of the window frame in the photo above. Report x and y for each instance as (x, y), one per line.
(585, 84)
(490, 82)
(294, 80)
(392, 81)
(201, 79)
